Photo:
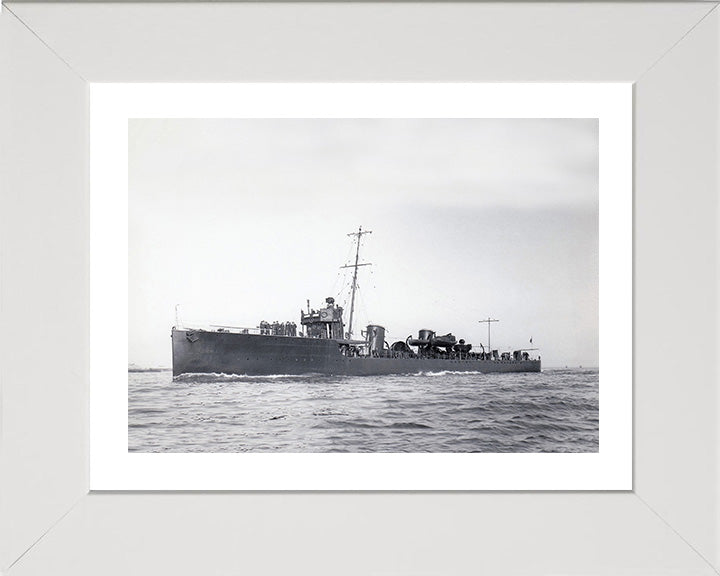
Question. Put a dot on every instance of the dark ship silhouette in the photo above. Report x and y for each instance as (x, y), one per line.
(326, 348)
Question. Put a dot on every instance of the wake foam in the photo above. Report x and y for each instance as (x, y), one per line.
(223, 377)
(447, 373)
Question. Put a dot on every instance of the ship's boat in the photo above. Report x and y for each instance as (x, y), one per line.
(322, 345)
(446, 341)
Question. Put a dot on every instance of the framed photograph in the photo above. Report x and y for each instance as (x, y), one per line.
(581, 169)
(453, 169)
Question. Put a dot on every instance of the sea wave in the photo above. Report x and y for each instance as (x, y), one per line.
(447, 373)
(442, 411)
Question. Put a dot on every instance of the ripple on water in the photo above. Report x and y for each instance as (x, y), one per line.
(551, 411)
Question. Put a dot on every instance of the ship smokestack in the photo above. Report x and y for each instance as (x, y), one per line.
(376, 340)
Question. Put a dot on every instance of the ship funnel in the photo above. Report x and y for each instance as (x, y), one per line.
(425, 334)
(376, 340)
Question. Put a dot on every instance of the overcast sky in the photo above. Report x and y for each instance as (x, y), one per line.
(240, 221)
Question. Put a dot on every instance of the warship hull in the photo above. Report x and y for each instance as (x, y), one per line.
(203, 352)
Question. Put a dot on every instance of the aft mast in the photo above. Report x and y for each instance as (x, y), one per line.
(359, 234)
(488, 323)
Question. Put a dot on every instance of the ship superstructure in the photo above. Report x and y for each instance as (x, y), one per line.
(324, 346)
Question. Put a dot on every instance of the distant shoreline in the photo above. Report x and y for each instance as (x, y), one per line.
(138, 369)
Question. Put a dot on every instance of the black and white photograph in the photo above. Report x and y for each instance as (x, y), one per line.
(428, 286)
(324, 285)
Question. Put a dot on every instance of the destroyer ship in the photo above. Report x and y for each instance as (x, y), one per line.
(321, 345)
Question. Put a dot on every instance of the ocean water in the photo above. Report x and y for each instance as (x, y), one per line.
(552, 411)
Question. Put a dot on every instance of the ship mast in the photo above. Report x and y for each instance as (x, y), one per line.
(359, 234)
(488, 323)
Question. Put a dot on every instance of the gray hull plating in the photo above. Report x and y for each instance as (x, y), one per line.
(230, 353)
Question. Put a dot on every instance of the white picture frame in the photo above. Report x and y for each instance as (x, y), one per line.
(668, 523)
